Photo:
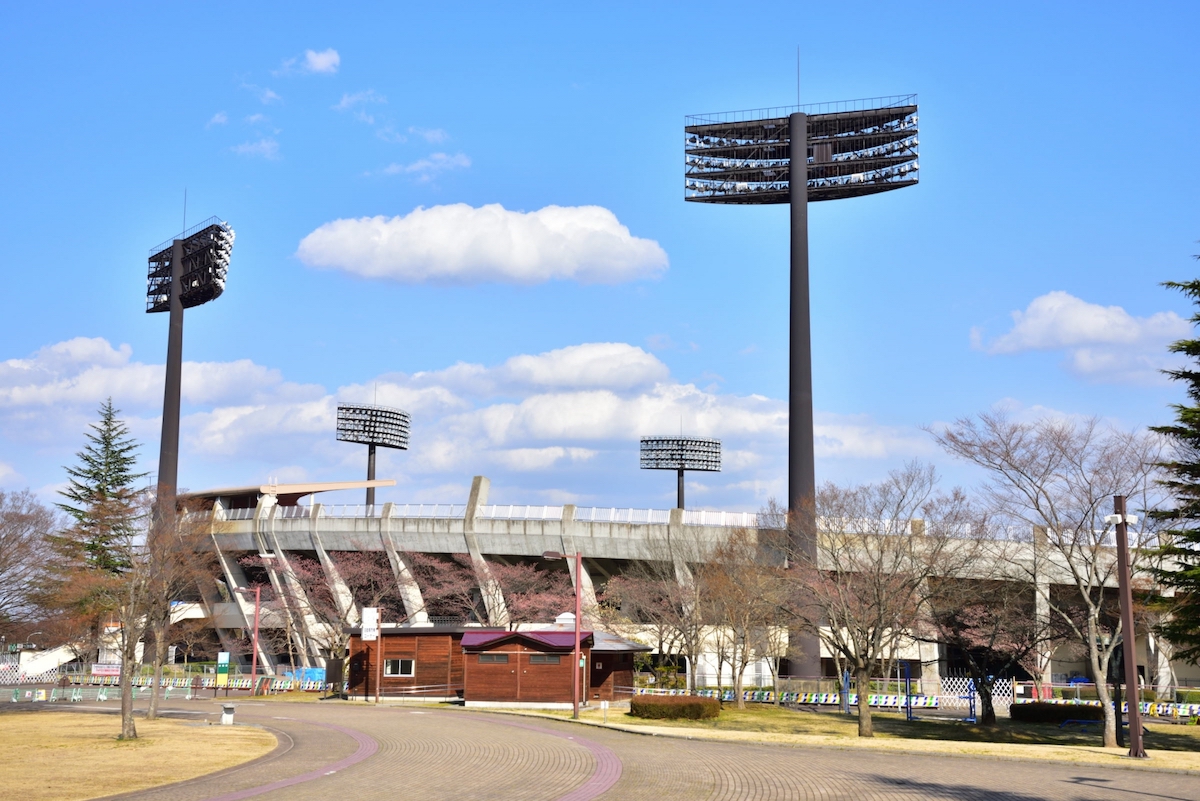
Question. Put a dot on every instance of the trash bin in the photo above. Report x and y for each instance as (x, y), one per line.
(227, 714)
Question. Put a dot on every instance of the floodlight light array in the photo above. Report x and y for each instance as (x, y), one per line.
(681, 453)
(733, 158)
(373, 425)
(207, 248)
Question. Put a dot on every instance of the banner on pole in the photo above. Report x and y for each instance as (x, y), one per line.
(223, 669)
(370, 623)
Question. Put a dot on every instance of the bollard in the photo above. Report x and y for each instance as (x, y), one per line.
(227, 714)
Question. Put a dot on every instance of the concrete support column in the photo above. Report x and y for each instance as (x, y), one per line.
(342, 596)
(300, 620)
(1162, 675)
(493, 595)
(406, 583)
(1045, 655)
(235, 578)
(583, 581)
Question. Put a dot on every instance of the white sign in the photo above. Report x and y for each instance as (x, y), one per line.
(100, 669)
(370, 623)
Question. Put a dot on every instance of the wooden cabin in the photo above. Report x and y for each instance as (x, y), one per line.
(513, 668)
(423, 661)
(612, 667)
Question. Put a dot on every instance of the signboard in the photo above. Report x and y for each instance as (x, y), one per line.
(106, 670)
(223, 669)
(370, 623)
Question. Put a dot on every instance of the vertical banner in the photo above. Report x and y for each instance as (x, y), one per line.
(370, 623)
(223, 669)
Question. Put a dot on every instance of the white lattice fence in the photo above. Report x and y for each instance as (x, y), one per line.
(955, 689)
(11, 674)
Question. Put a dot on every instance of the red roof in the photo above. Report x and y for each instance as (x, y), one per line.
(552, 640)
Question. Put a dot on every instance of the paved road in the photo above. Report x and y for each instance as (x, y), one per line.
(401, 753)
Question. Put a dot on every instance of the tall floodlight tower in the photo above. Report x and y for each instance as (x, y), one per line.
(849, 149)
(371, 426)
(679, 454)
(188, 270)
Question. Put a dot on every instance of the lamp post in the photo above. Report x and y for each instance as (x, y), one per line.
(679, 454)
(372, 426)
(254, 647)
(1133, 695)
(575, 665)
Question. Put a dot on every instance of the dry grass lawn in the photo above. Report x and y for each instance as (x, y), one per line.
(1170, 746)
(60, 756)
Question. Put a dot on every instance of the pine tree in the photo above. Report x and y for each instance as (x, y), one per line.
(101, 488)
(1180, 551)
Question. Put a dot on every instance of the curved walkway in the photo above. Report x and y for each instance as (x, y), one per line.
(458, 754)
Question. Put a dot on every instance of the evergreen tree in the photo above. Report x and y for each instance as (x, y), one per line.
(1181, 541)
(100, 492)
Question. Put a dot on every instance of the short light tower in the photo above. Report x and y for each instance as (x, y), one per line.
(372, 426)
(185, 271)
(680, 454)
(799, 155)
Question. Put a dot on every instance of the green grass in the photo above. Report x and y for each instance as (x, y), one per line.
(889, 725)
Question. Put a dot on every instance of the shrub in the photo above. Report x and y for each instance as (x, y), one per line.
(674, 707)
(1038, 712)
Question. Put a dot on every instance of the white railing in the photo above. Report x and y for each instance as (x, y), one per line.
(349, 510)
(596, 514)
(700, 517)
(239, 514)
(292, 512)
(437, 510)
(513, 512)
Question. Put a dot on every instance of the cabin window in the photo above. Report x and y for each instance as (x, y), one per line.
(598, 665)
(544, 659)
(493, 658)
(398, 667)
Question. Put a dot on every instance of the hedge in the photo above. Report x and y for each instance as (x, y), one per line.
(1038, 712)
(672, 707)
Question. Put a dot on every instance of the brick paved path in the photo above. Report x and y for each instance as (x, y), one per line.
(459, 754)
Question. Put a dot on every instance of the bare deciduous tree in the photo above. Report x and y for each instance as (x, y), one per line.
(1056, 478)
(862, 580)
(25, 524)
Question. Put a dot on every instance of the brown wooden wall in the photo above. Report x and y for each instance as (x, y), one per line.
(437, 661)
(519, 680)
(610, 670)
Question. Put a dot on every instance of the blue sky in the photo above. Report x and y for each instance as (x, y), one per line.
(1058, 184)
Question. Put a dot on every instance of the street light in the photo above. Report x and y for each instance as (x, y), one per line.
(679, 454)
(575, 669)
(1122, 520)
(254, 647)
(371, 426)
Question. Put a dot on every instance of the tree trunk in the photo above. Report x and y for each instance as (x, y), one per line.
(160, 656)
(128, 662)
(862, 678)
(738, 681)
(1100, 677)
(987, 709)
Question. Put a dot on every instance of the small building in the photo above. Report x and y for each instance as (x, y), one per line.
(418, 661)
(523, 668)
(612, 667)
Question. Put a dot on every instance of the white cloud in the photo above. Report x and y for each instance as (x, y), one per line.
(266, 148)
(434, 135)
(576, 410)
(429, 166)
(220, 118)
(1103, 343)
(389, 134)
(325, 62)
(255, 119)
(264, 95)
(351, 100)
(459, 244)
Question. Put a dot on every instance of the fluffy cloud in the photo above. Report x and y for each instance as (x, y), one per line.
(427, 167)
(325, 62)
(1103, 343)
(266, 148)
(533, 418)
(433, 135)
(459, 244)
(356, 99)
(220, 118)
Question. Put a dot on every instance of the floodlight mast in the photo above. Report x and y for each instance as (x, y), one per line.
(794, 155)
(373, 425)
(680, 454)
(846, 149)
(188, 271)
